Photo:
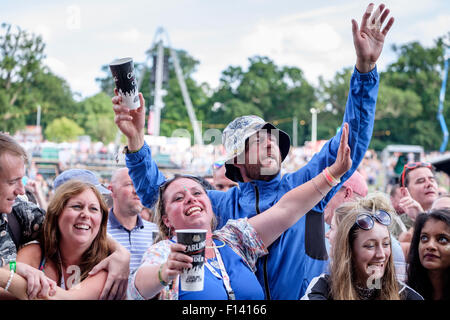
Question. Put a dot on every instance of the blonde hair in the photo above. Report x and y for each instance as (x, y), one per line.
(343, 278)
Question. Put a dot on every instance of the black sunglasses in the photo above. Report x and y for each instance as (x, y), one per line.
(366, 221)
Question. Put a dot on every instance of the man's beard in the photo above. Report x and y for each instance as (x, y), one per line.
(257, 172)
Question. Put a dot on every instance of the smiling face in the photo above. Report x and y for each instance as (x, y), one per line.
(80, 220)
(187, 206)
(12, 169)
(371, 252)
(434, 245)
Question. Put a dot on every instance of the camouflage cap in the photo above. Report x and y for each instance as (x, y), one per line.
(238, 131)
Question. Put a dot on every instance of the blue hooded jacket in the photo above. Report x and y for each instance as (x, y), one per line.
(299, 254)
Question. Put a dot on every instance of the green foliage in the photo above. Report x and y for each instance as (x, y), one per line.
(63, 129)
(96, 116)
(277, 94)
(406, 108)
(20, 60)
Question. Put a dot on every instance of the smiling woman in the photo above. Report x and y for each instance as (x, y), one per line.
(73, 241)
(362, 266)
(232, 251)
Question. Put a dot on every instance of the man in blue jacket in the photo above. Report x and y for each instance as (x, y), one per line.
(254, 161)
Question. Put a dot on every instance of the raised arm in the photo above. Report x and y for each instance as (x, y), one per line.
(361, 102)
(293, 205)
(142, 168)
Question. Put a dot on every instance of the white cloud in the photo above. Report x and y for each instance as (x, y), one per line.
(130, 36)
(57, 66)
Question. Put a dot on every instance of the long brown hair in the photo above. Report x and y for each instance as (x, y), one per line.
(343, 277)
(51, 236)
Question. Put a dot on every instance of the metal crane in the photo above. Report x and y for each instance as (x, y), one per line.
(159, 92)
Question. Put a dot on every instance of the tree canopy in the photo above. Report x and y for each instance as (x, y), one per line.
(406, 108)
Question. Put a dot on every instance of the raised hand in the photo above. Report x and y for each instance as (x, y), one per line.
(410, 206)
(130, 122)
(176, 262)
(369, 38)
(343, 161)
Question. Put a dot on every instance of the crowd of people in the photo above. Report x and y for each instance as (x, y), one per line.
(315, 232)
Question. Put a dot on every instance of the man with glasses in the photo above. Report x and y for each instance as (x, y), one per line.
(255, 150)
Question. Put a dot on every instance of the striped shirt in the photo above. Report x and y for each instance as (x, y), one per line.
(136, 241)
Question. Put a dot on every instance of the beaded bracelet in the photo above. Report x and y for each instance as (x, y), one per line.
(165, 284)
(9, 280)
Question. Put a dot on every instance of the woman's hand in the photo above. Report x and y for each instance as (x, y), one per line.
(38, 285)
(176, 262)
(118, 266)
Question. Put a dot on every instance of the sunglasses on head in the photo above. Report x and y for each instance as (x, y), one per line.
(366, 221)
(218, 164)
(414, 165)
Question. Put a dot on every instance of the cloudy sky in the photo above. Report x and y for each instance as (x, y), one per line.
(315, 36)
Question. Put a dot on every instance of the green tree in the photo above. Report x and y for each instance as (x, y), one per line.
(95, 115)
(418, 70)
(174, 115)
(63, 129)
(277, 94)
(21, 57)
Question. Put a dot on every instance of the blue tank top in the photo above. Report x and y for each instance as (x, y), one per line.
(243, 281)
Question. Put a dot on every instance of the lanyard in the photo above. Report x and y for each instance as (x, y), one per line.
(225, 278)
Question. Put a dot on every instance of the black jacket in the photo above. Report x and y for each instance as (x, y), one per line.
(319, 289)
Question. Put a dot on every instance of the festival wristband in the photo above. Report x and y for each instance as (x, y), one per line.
(12, 266)
(165, 284)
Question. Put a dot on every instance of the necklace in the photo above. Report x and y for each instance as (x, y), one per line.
(366, 293)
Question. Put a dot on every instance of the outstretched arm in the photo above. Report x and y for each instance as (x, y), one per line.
(293, 205)
(88, 289)
(360, 107)
(143, 170)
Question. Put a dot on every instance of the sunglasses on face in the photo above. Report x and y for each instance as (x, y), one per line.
(414, 165)
(366, 221)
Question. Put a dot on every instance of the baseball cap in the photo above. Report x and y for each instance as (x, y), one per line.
(238, 131)
(82, 175)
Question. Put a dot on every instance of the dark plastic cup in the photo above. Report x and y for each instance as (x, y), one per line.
(124, 77)
(195, 240)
